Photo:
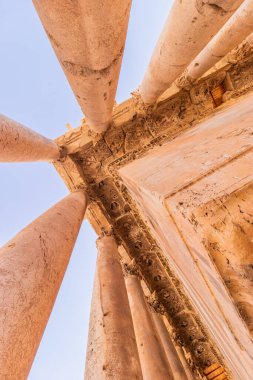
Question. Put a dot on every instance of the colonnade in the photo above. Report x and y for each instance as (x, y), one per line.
(21, 144)
(89, 37)
(189, 28)
(125, 340)
(236, 29)
(33, 263)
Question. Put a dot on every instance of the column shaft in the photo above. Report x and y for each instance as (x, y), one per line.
(190, 26)
(88, 37)
(32, 266)
(95, 354)
(154, 363)
(19, 143)
(237, 28)
(111, 332)
(170, 350)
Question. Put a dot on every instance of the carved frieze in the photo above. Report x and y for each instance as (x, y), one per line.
(95, 166)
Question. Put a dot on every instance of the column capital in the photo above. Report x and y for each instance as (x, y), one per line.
(131, 269)
(155, 304)
(106, 233)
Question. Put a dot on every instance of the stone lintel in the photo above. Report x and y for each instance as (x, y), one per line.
(94, 165)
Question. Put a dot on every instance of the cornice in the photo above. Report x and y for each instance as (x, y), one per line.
(93, 164)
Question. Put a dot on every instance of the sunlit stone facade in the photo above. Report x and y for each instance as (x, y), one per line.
(165, 179)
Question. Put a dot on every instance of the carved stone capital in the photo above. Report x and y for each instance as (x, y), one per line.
(155, 304)
(242, 50)
(184, 81)
(138, 128)
(131, 269)
(103, 234)
(141, 107)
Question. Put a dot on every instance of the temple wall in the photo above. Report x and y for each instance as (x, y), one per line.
(226, 227)
(174, 185)
(149, 179)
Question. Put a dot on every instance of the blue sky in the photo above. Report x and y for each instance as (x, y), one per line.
(34, 91)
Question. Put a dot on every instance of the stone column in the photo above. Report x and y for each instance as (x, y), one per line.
(237, 28)
(190, 26)
(19, 143)
(154, 363)
(112, 352)
(95, 354)
(88, 37)
(170, 350)
(32, 266)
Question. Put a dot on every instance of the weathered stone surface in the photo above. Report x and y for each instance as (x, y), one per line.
(154, 363)
(112, 351)
(189, 27)
(88, 38)
(32, 266)
(99, 167)
(172, 356)
(19, 143)
(194, 190)
(237, 28)
(227, 230)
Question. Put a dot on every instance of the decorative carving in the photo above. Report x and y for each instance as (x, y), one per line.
(155, 305)
(134, 132)
(115, 140)
(131, 269)
(112, 200)
(200, 93)
(96, 166)
(184, 81)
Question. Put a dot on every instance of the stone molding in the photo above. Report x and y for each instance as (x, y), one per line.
(131, 269)
(155, 305)
(94, 165)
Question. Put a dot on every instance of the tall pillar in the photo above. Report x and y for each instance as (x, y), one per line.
(88, 37)
(95, 354)
(19, 143)
(112, 352)
(154, 363)
(190, 26)
(32, 266)
(236, 29)
(170, 350)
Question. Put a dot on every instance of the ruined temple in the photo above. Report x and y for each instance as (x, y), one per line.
(166, 181)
